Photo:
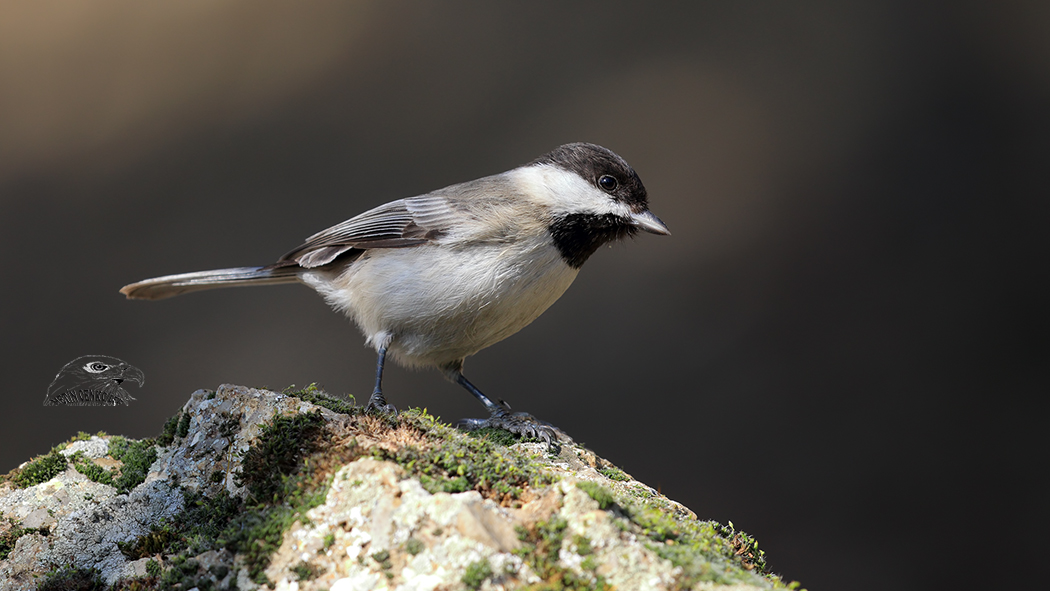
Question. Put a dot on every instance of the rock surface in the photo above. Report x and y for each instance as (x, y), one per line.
(257, 489)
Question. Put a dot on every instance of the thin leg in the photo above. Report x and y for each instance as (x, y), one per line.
(378, 390)
(493, 408)
(377, 402)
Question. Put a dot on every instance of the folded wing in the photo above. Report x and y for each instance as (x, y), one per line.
(398, 224)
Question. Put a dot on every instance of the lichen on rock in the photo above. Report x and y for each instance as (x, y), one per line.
(300, 491)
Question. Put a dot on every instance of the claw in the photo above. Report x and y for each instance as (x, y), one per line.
(377, 405)
(521, 424)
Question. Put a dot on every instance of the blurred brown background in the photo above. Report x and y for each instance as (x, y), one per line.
(841, 348)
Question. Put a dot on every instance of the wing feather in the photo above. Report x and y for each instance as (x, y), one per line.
(398, 224)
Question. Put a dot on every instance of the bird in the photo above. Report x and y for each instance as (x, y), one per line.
(432, 279)
(93, 380)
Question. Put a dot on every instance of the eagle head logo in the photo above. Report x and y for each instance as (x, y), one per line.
(93, 380)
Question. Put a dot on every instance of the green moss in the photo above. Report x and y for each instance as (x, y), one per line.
(42, 469)
(282, 488)
(205, 519)
(162, 539)
(704, 550)
(614, 473)
(383, 559)
(7, 541)
(72, 579)
(184, 574)
(93, 471)
(305, 572)
(642, 492)
(599, 493)
(153, 568)
(196, 529)
(316, 395)
(137, 457)
(497, 436)
(278, 452)
(655, 524)
(745, 547)
(283, 479)
(192, 532)
(476, 573)
(10, 537)
(414, 546)
(453, 462)
(278, 478)
(46, 467)
(257, 532)
(583, 545)
(184, 425)
(540, 548)
(136, 584)
(171, 426)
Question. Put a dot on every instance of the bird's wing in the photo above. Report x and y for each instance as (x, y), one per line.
(398, 224)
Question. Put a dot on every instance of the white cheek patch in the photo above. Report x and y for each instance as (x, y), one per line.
(563, 192)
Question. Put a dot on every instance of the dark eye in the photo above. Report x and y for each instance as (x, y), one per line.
(96, 367)
(607, 183)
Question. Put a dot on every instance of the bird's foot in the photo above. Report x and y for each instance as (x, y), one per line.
(521, 424)
(377, 405)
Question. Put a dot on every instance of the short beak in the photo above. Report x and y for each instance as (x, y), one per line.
(649, 222)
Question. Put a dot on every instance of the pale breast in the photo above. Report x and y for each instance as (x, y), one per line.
(443, 305)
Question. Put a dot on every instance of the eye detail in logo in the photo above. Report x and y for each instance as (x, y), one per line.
(96, 367)
(93, 380)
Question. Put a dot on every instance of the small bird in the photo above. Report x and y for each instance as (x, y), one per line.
(93, 380)
(433, 279)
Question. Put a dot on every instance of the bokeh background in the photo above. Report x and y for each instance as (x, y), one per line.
(842, 348)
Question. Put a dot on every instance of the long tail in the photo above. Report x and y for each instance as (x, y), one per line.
(159, 288)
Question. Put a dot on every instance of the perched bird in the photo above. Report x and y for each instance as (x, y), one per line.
(93, 380)
(433, 279)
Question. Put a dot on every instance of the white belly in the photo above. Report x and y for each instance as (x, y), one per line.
(439, 307)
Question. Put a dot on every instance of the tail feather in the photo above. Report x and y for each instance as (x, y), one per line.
(160, 288)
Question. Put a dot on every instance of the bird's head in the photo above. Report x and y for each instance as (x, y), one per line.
(592, 197)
